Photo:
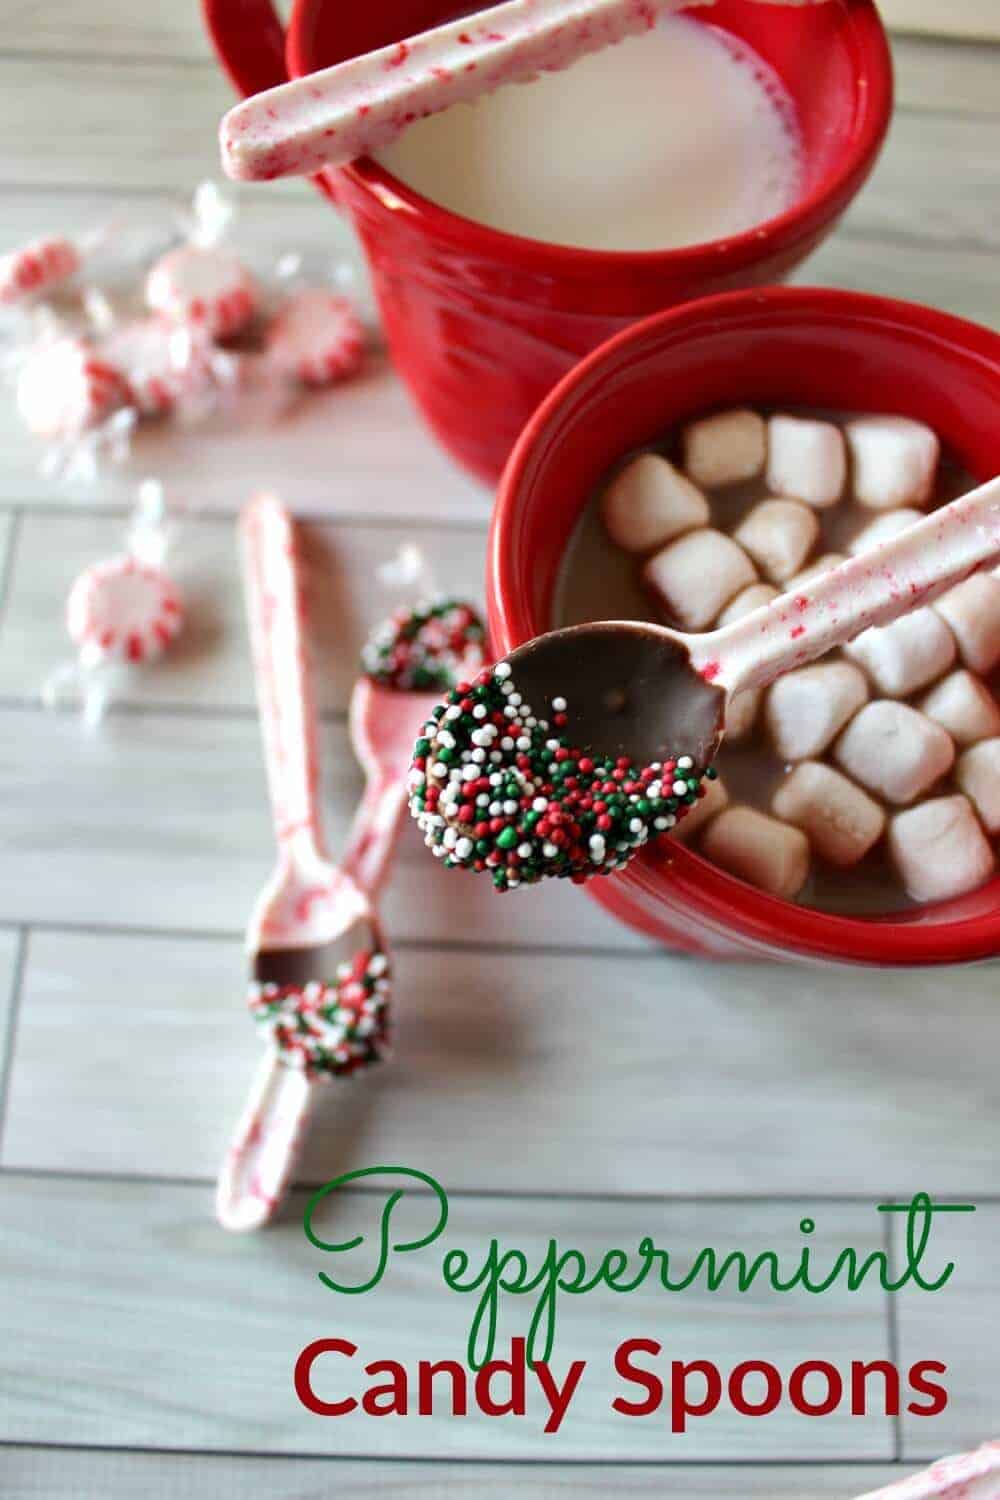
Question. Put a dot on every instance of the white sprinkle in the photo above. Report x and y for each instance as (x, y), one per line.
(636, 825)
(502, 670)
(479, 712)
(680, 788)
(523, 742)
(471, 773)
(483, 799)
(525, 851)
(454, 712)
(450, 838)
(540, 804)
(496, 808)
(515, 698)
(684, 762)
(559, 704)
(550, 850)
(464, 848)
(506, 743)
(478, 756)
(495, 777)
(510, 808)
(439, 769)
(495, 757)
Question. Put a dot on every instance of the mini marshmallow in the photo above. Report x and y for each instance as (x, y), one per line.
(779, 535)
(768, 854)
(964, 707)
(840, 820)
(824, 564)
(883, 530)
(695, 577)
(715, 800)
(914, 650)
(807, 459)
(649, 503)
(726, 448)
(742, 713)
(978, 774)
(972, 609)
(807, 708)
(894, 751)
(895, 461)
(746, 601)
(940, 850)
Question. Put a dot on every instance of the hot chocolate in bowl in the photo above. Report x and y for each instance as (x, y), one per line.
(482, 324)
(771, 348)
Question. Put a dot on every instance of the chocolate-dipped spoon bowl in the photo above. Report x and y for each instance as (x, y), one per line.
(593, 738)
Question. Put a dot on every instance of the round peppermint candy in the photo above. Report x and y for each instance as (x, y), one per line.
(123, 610)
(316, 337)
(36, 268)
(67, 386)
(328, 1029)
(205, 287)
(160, 362)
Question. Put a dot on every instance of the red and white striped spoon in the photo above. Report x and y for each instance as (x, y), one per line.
(312, 916)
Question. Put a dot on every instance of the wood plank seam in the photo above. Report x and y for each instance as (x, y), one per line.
(492, 1195)
(8, 1042)
(892, 1320)
(7, 562)
(463, 1461)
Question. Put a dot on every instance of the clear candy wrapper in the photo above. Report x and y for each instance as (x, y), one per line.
(126, 323)
(122, 614)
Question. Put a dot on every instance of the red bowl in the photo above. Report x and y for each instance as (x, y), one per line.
(774, 346)
(481, 325)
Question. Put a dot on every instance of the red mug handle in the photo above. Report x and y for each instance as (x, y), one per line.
(249, 41)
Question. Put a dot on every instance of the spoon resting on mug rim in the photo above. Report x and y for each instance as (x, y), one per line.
(636, 712)
(354, 108)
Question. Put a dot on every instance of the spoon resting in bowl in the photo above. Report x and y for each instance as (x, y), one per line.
(564, 759)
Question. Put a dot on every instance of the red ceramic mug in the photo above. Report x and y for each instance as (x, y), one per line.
(775, 346)
(482, 324)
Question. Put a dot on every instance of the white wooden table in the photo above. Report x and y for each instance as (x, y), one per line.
(557, 1075)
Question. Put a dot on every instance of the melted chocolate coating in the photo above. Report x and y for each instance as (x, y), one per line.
(630, 690)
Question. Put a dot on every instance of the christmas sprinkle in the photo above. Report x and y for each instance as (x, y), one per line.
(328, 1030)
(495, 788)
(427, 649)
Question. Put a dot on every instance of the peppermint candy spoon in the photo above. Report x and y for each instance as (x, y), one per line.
(320, 967)
(630, 702)
(356, 107)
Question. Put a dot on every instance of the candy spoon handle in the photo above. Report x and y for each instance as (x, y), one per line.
(265, 1146)
(873, 589)
(284, 690)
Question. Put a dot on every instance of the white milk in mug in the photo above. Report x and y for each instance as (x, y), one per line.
(677, 137)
